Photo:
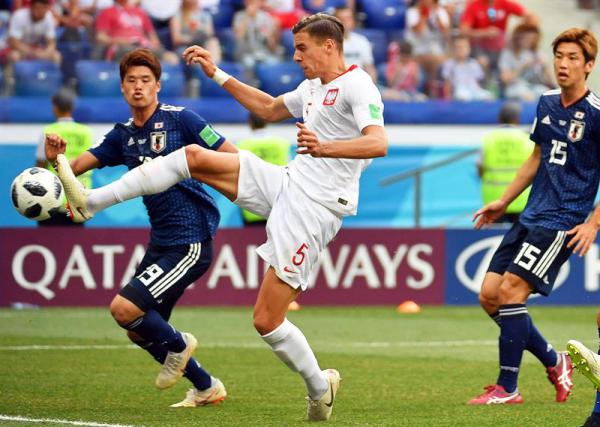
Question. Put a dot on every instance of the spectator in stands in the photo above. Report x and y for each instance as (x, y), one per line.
(32, 34)
(403, 74)
(124, 27)
(357, 48)
(462, 74)
(523, 71)
(73, 19)
(160, 13)
(273, 149)
(504, 151)
(286, 12)
(427, 30)
(79, 138)
(256, 35)
(484, 21)
(194, 26)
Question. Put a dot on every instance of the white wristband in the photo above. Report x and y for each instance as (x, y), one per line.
(220, 76)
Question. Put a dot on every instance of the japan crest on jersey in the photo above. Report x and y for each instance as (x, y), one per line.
(576, 130)
(331, 96)
(158, 141)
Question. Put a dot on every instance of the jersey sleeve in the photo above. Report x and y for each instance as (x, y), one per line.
(534, 135)
(196, 130)
(366, 104)
(108, 149)
(293, 100)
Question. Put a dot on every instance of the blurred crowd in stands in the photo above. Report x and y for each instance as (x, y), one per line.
(414, 49)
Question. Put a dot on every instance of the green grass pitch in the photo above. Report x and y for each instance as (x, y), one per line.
(397, 370)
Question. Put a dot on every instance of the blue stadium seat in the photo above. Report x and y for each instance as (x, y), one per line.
(276, 79)
(227, 39)
(381, 70)
(222, 15)
(172, 81)
(287, 40)
(98, 78)
(37, 78)
(208, 88)
(385, 14)
(379, 43)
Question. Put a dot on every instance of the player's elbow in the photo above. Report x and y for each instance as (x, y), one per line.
(381, 148)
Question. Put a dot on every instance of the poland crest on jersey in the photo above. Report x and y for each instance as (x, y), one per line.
(158, 141)
(331, 96)
(576, 130)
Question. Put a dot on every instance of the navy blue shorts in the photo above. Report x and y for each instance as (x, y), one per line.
(535, 254)
(164, 273)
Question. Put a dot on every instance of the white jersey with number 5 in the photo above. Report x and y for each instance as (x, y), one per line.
(339, 110)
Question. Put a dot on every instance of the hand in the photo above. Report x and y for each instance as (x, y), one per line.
(308, 143)
(197, 55)
(489, 213)
(585, 235)
(54, 145)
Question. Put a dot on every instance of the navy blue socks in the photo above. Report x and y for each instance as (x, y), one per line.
(514, 335)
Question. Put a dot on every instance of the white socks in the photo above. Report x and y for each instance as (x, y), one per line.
(290, 345)
(149, 178)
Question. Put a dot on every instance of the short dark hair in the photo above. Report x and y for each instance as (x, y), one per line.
(46, 2)
(510, 113)
(63, 100)
(140, 57)
(582, 37)
(322, 26)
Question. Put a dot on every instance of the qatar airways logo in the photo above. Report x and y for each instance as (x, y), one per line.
(472, 278)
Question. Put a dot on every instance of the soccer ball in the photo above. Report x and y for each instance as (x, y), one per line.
(37, 193)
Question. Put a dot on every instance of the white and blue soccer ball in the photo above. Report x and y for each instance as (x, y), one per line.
(37, 193)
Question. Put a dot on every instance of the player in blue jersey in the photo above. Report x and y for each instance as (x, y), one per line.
(564, 170)
(183, 222)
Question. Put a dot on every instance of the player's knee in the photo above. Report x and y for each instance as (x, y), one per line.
(487, 301)
(513, 290)
(122, 312)
(194, 154)
(263, 323)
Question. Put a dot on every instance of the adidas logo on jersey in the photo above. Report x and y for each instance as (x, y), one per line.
(546, 120)
(131, 141)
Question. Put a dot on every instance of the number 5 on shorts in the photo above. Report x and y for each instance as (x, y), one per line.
(299, 257)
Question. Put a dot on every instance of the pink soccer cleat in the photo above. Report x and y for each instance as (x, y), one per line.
(561, 376)
(495, 394)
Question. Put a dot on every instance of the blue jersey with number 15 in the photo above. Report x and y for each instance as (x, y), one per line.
(185, 213)
(566, 183)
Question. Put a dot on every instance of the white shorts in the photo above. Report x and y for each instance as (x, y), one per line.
(298, 228)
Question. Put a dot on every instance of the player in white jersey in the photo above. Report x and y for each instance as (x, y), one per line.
(304, 202)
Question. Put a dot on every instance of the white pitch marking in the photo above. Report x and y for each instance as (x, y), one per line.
(58, 421)
(374, 344)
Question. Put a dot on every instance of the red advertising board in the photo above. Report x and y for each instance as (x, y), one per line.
(87, 267)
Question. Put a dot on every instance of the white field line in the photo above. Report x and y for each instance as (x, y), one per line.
(58, 421)
(373, 344)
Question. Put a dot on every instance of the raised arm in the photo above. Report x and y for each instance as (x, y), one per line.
(56, 145)
(254, 100)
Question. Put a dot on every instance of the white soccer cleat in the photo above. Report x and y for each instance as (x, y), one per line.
(585, 361)
(74, 190)
(174, 365)
(211, 396)
(320, 410)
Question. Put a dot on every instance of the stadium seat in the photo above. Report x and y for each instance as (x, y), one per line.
(208, 88)
(385, 14)
(37, 78)
(172, 81)
(287, 40)
(227, 39)
(381, 71)
(379, 42)
(98, 78)
(276, 79)
(222, 15)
